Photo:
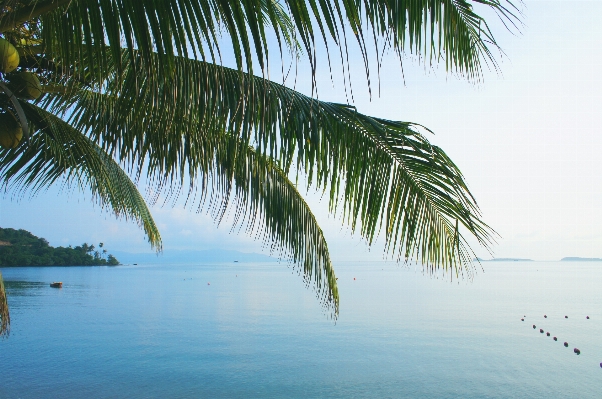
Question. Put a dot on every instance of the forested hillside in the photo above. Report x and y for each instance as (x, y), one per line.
(21, 248)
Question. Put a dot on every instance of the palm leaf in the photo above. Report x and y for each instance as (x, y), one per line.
(382, 174)
(266, 201)
(74, 29)
(58, 151)
(436, 30)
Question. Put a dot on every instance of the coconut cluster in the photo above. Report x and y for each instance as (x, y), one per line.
(25, 85)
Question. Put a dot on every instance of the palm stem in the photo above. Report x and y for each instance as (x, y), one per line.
(4, 313)
(12, 20)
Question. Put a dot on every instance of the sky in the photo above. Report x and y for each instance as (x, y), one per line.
(527, 140)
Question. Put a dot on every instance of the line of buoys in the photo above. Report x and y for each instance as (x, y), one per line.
(577, 351)
(566, 344)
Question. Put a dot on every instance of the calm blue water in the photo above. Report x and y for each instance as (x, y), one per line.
(256, 331)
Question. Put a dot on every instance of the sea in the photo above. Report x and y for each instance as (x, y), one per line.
(253, 330)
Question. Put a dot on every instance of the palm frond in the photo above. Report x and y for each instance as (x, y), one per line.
(449, 31)
(4, 313)
(267, 202)
(382, 174)
(77, 29)
(58, 151)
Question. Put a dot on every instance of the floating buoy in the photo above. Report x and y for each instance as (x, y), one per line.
(548, 334)
(587, 317)
(208, 283)
(566, 344)
(534, 326)
(600, 365)
(354, 278)
(555, 339)
(541, 330)
(522, 319)
(577, 351)
(545, 316)
(566, 317)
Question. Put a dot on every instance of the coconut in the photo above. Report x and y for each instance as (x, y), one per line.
(10, 131)
(26, 85)
(9, 56)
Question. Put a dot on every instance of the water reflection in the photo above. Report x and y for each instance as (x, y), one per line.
(257, 331)
(24, 288)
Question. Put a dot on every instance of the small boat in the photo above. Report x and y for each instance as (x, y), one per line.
(57, 284)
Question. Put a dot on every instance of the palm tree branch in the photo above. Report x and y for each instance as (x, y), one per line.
(379, 172)
(449, 30)
(58, 151)
(168, 27)
(28, 12)
(266, 201)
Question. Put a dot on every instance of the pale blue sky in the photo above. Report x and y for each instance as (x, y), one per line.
(528, 142)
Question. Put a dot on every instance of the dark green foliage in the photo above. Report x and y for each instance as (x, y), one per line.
(21, 248)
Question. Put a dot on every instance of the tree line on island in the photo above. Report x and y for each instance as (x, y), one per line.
(21, 248)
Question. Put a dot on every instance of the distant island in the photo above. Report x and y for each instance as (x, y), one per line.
(578, 259)
(21, 248)
(503, 260)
